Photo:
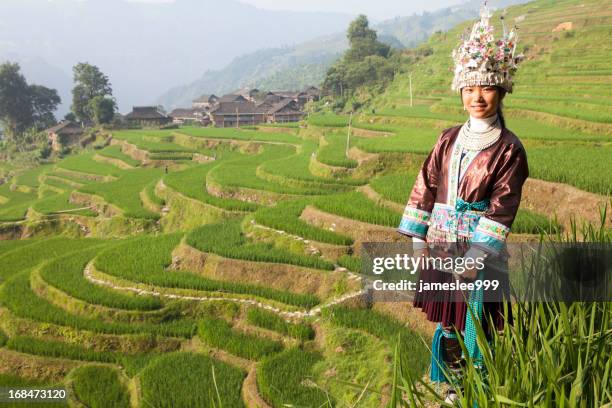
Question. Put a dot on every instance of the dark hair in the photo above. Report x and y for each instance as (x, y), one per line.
(500, 114)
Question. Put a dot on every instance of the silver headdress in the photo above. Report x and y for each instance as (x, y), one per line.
(482, 60)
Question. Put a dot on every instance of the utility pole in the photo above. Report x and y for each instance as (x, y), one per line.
(348, 134)
(237, 119)
(410, 82)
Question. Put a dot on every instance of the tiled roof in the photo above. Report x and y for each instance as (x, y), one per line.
(282, 105)
(230, 108)
(206, 98)
(246, 92)
(231, 98)
(185, 113)
(65, 127)
(145, 112)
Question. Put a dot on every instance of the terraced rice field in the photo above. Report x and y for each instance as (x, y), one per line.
(561, 96)
(201, 266)
(147, 306)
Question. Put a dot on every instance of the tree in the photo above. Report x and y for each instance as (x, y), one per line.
(334, 79)
(366, 62)
(102, 109)
(15, 103)
(23, 106)
(364, 41)
(89, 83)
(360, 29)
(44, 103)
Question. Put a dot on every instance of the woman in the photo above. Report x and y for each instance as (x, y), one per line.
(468, 192)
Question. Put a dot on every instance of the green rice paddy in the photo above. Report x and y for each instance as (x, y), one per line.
(105, 288)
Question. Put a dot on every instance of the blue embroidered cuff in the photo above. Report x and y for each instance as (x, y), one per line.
(415, 222)
(490, 236)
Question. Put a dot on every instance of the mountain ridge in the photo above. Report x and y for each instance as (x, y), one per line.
(145, 48)
(306, 63)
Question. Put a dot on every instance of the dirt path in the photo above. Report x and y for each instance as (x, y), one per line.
(565, 201)
(286, 277)
(386, 396)
(329, 251)
(373, 195)
(244, 327)
(359, 231)
(319, 335)
(113, 162)
(361, 156)
(229, 358)
(250, 393)
(370, 133)
(132, 150)
(152, 292)
(134, 390)
(31, 366)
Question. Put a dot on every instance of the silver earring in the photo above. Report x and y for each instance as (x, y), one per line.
(464, 108)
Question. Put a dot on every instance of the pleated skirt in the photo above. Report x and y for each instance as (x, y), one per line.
(449, 307)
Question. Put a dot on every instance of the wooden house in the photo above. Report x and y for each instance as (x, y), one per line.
(235, 114)
(232, 98)
(205, 102)
(147, 116)
(182, 116)
(270, 100)
(287, 110)
(247, 93)
(63, 134)
(312, 93)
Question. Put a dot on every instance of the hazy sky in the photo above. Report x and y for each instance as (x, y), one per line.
(377, 10)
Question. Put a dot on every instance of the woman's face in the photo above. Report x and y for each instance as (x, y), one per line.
(481, 101)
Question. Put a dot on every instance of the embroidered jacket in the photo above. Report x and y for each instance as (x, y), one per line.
(496, 173)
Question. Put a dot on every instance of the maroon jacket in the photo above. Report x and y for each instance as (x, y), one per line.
(496, 173)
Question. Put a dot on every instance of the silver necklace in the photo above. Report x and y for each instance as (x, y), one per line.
(473, 140)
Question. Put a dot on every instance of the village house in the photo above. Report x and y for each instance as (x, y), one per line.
(287, 110)
(65, 133)
(147, 116)
(235, 114)
(283, 94)
(240, 108)
(232, 98)
(272, 98)
(312, 93)
(309, 94)
(269, 101)
(205, 102)
(247, 93)
(183, 116)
